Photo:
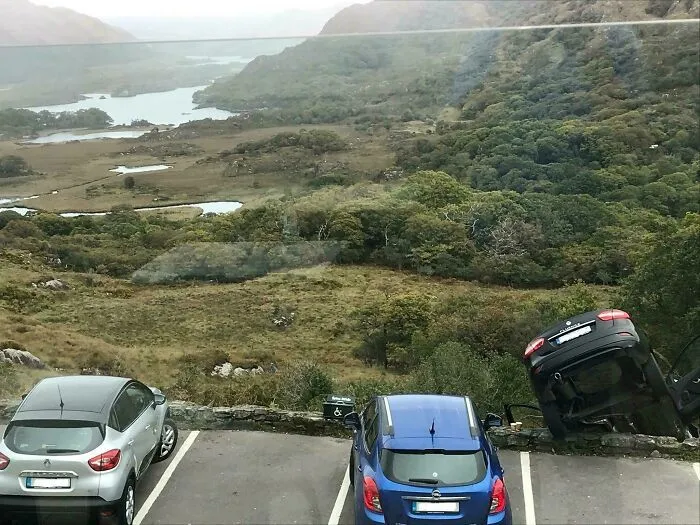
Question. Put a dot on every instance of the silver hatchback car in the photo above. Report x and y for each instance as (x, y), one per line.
(79, 445)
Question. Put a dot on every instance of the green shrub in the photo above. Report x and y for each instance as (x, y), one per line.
(365, 389)
(303, 386)
(194, 385)
(21, 299)
(107, 364)
(456, 369)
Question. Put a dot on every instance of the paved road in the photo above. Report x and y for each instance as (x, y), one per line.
(225, 477)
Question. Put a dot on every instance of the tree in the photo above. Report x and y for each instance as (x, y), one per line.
(14, 166)
(388, 328)
(129, 182)
(434, 189)
(664, 292)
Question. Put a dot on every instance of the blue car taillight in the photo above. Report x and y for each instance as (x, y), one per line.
(498, 497)
(371, 495)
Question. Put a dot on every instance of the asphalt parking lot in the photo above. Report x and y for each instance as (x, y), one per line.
(258, 478)
(227, 477)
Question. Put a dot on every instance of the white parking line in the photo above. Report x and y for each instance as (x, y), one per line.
(527, 489)
(696, 468)
(340, 500)
(153, 496)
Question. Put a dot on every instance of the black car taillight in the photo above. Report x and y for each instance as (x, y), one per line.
(534, 345)
(613, 315)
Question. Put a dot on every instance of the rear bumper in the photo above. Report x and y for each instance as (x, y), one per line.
(364, 517)
(11, 506)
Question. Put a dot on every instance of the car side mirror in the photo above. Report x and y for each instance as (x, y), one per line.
(158, 399)
(492, 421)
(352, 420)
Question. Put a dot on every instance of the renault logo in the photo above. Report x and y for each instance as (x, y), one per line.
(47, 463)
(436, 494)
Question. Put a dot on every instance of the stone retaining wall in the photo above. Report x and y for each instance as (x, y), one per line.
(189, 416)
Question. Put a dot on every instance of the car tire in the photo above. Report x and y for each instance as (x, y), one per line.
(168, 441)
(655, 378)
(127, 504)
(351, 469)
(550, 413)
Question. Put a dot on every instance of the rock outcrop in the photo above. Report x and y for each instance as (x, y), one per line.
(20, 357)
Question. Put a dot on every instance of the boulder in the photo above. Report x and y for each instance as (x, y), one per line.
(223, 370)
(20, 357)
(55, 284)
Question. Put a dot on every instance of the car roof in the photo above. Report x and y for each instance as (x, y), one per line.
(84, 397)
(408, 419)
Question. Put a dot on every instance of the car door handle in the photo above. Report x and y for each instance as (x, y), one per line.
(148, 427)
(130, 443)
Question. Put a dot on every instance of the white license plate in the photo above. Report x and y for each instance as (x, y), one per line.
(573, 335)
(435, 506)
(48, 483)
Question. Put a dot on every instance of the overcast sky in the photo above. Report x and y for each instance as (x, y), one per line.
(109, 8)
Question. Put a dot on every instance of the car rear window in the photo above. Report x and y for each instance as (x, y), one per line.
(53, 437)
(437, 468)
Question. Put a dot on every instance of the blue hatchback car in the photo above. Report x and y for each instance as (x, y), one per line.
(425, 460)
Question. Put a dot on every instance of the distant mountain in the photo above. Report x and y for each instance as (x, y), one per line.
(23, 23)
(293, 22)
(391, 15)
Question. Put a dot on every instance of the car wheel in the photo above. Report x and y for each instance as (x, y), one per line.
(654, 377)
(351, 469)
(127, 505)
(550, 413)
(168, 441)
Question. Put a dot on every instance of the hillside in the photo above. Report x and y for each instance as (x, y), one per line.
(329, 79)
(23, 23)
(388, 16)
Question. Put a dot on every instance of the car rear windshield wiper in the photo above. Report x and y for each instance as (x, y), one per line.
(61, 451)
(427, 481)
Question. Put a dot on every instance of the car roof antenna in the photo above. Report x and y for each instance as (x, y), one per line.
(432, 428)
(60, 397)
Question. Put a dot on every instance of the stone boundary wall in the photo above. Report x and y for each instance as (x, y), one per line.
(190, 416)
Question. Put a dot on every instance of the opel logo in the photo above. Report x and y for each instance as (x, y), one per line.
(47, 463)
(436, 494)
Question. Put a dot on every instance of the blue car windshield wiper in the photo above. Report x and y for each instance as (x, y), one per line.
(427, 481)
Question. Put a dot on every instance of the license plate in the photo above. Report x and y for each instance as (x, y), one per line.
(435, 506)
(573, 335)
(48, 483)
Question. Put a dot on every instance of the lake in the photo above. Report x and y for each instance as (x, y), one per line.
(123, 170)
(217, 207)
(173, 107)
(67, 136)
